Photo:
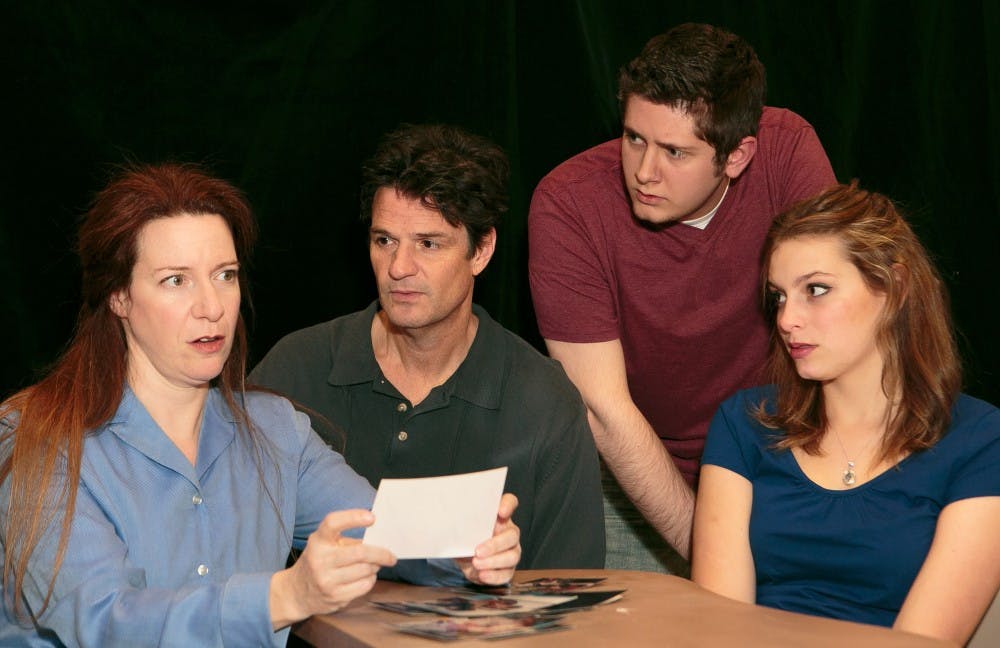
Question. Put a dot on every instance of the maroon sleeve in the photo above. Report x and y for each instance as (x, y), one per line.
(803, 169)
(568, 269)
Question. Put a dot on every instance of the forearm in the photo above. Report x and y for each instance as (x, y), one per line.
(646, 473)
(627, 441)
(722, 560)
(283, 603)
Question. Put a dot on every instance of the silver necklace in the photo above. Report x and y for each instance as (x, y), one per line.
(850, 476)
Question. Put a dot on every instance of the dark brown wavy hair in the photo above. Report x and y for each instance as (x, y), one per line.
(707, 71)
(915, 334)
(44, 425)
(450, 170)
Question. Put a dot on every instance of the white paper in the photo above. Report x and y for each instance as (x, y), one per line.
(436, 517)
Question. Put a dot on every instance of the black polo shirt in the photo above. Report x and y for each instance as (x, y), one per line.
(505, 405)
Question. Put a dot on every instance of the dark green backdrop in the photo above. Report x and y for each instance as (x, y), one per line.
(286, 99)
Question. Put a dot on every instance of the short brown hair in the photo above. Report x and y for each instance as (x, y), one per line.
(707, 71)
(461, 175)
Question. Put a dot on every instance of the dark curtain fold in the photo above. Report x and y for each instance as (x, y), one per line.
(286, 100)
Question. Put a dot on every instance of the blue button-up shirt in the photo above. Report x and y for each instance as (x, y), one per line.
(162, 552)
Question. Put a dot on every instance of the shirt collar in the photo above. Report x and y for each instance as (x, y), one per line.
(702, 221)
(351, 351)
(481, 376)
(134, 426)
(478, 380)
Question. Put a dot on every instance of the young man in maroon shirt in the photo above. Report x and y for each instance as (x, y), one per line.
(644, 268)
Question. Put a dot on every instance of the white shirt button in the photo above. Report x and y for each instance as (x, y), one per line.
(401, 407)
(402, 436)
(202, 570)
(196, 499)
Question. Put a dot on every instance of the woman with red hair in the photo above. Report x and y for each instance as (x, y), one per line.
(146, 496)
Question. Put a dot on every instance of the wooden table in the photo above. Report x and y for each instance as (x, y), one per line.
(656, 610)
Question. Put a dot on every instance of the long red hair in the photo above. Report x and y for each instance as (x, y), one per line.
(44, 425)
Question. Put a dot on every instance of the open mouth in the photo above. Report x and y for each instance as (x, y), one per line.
(209, 343)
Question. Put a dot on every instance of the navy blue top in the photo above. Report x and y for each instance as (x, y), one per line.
(850, 554)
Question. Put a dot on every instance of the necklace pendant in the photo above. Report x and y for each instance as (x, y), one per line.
(849, 476)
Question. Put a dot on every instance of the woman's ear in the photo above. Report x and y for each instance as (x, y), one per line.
(119, 303)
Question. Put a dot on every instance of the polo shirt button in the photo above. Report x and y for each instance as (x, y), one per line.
(402, 436)
(401, 407)
(202, 570)
(196, 499)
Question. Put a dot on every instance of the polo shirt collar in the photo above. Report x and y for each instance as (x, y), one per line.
(478, 380)
(352, 352)
(481, 376)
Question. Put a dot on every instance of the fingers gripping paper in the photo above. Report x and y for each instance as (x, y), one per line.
(436, 517)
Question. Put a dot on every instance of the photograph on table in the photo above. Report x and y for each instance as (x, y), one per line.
(478, 605)
(486, 628)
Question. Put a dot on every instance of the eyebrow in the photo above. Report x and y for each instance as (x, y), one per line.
(218, 266)
(659, 144)
(416, 235)
(801, 278)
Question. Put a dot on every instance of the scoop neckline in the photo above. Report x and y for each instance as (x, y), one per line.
(841, 492)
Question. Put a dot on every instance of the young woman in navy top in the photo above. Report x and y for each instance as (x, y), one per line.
(861, 484)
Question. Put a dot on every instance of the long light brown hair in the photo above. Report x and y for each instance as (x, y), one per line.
(914, 334)
(45, 424)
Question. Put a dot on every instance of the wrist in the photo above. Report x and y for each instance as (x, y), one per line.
(283, 602)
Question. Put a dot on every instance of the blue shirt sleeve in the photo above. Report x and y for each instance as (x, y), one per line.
(327, 483)
(975, 433)
(733, 442)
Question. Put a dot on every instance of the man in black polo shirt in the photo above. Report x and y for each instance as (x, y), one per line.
(424, 382)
